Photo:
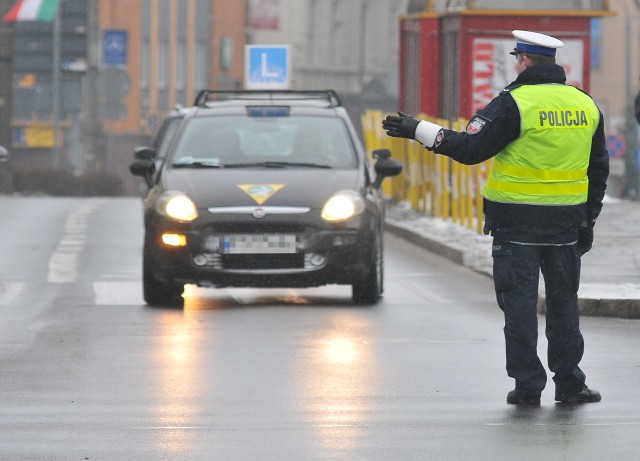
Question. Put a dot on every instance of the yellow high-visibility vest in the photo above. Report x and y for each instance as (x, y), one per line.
(547, 164)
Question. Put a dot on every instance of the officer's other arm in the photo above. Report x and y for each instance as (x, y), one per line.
(598, 172)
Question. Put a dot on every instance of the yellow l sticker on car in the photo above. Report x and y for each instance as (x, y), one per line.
(260, 192)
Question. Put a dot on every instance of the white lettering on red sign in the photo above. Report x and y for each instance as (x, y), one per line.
(483, 72)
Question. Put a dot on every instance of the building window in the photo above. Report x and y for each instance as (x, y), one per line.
(595, 43)
(163, 64)
(181, 65)
(335, 35)
(200, 76)
(145, 63)
(312, 42)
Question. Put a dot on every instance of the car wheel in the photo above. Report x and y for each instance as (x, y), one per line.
(369, 289)
(157, 292)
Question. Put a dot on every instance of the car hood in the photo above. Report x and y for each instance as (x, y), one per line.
(249, 187)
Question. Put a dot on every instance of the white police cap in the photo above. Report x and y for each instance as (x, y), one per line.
(535, 43)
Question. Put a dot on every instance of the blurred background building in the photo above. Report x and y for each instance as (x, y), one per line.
(124, 64)
(349, 46)
(615, 81)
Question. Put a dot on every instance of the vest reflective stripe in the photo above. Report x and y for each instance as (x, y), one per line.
(547, 164)
(542, 175)
(538, 188)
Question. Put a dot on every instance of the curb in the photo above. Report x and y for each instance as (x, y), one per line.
(594, 307)
(453, 253)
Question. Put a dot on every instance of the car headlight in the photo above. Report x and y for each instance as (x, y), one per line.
(342, 206)
(178, 206)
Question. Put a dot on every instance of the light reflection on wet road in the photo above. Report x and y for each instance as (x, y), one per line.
(90, 372)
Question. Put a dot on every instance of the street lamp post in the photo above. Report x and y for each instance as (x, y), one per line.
(92, 126)
(55, 90)
(630, 131)
(362, 71)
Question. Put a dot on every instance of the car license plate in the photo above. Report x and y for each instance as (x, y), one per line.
(259, 244)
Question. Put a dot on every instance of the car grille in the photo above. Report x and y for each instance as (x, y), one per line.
(260, 262)
(260, 228)
(254, 262)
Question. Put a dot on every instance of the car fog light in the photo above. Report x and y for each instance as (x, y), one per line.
(200, 260)
(174, 240)
(317, 260)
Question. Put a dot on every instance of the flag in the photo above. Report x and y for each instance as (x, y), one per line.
(33, 10)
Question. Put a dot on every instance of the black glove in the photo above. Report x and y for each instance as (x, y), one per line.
(585, 239)
(400, 126)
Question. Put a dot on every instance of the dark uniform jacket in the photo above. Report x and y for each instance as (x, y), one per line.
(498, 124)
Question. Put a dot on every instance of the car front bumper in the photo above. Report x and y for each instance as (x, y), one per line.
(278, 256)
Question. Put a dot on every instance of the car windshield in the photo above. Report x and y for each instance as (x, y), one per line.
(243, 141)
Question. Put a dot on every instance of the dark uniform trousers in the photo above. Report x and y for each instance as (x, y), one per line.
(516, 270)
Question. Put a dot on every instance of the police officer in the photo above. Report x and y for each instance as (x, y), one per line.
(541, 200)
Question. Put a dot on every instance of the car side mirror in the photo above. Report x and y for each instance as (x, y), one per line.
(386, 167)
(381, 153)
(144, 153)
(4, 154)
(143, 168)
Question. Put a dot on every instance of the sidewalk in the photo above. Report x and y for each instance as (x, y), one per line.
(610, 283)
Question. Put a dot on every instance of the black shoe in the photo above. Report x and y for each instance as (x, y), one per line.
(519, 398)
(586, 395)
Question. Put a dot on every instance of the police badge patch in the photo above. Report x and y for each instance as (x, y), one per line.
(439, 138)
(476, 124)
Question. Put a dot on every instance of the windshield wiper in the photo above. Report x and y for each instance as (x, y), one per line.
(196, 165)
(275, 165)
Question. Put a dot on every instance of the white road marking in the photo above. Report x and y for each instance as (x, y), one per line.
(396, 275)
(118, 293)
(63, 267)
(63, 264)
(9, 291)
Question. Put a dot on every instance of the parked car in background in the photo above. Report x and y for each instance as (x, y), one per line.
(6, 172)
(263, 189)
(162, 139)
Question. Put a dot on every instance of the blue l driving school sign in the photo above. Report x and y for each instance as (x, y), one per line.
(267, 67)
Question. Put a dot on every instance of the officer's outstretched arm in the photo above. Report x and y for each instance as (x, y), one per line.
(405, 126)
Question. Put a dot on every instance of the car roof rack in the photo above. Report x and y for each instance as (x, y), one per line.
(205, 96)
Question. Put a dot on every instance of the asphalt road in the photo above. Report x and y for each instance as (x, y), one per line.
(89, 372)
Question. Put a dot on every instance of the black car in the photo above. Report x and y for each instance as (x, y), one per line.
(263, 189)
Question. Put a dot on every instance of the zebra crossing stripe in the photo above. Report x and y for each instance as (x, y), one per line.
(9, 291)
(118, 293)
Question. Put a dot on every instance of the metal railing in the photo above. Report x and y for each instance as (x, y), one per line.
(433, 184)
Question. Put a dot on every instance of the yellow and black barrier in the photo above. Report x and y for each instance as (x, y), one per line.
(433, 184)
